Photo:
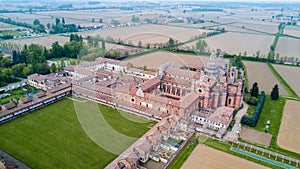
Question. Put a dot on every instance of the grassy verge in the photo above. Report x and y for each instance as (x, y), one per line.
(184, 154)
(272, 111)
(291, 92)
(52, 137)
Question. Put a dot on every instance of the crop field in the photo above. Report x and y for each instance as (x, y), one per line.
(256, 136)
(288, 73)
(288, 137)
(206, 157)
(147, 33)
(54, 137)
(156, 59)
(292, 30)
(46, 41)
(288, 47)
(235, 43)
(260, 73)
(4, 26)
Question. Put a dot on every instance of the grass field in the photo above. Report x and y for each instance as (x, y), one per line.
(288, 137)
(52, 137)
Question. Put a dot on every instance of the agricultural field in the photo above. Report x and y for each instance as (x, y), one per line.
(288, 47)
(235, 43)
(5, 26)
(260, 73)
(147, 34)
(206, 157)
(256, 136)
(54, 137)
(156, 59)
(292, 30)
(288, 73)
(288, 137)
(46, 41)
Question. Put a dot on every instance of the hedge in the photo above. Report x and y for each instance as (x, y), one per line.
(252, 121)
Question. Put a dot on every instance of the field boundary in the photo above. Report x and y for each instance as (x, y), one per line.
(291, 92)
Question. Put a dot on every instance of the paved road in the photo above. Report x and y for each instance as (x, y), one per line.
(233, 134)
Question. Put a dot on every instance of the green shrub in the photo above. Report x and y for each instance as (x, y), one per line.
(252, 121)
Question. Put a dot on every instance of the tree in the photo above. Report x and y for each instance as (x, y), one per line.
(171, 42)
(275, 93)
(53, 67)
(57, 21)
(90, 40)
(56, 50)
(48, 25)
(255, 90)
(201, 46)
(103, 44)
(43, 68)
(140, 44)
(62, 63)
(36, 22)
(93, 19)
(63, 20)
(17, 70)
(101, 20)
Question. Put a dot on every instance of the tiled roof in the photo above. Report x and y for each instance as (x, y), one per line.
(188, 99)
(10, 105)
(150, 83)
(26, 99)
(40, 94)
(222, 115)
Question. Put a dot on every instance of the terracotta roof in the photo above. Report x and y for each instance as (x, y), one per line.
(150, 83)
(81, 70)
(143, 148)
(25, 99)
(59, 87)
(69, 68)
(37, 77)
(163, 100)
(188, 99)
(40, 94)
(222, 115)
(10, 105)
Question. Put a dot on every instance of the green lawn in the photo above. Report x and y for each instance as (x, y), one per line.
(16, 94)
(52, 137)
(184, 154)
